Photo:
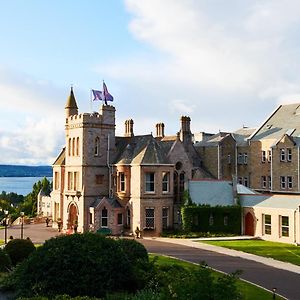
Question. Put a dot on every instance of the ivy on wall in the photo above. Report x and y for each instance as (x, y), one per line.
(204, 218)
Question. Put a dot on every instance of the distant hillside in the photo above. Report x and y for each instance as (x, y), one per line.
(25, 171)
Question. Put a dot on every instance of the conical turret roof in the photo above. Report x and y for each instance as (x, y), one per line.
(71, 102)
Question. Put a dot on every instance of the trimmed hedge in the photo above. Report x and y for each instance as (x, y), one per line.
(78, 265)
(212, 219)
(5, 261)
(19, 249)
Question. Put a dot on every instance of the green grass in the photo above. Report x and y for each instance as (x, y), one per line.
(279, 251)
(249, 291)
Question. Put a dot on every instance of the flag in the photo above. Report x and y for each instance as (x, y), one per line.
(106, 94)
(98, 95)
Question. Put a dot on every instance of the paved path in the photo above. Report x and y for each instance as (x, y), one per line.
(286, 282)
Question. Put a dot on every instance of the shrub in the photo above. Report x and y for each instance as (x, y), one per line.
(133, 250)
(19, 249)
(5, 261)
(78, 265)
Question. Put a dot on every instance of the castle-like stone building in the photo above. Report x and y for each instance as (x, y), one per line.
(101, 180)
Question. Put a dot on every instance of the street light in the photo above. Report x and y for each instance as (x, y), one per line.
(5, 226)
(22, 223)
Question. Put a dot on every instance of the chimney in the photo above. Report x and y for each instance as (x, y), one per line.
(160, 130)
(185, 130)
(129, 128)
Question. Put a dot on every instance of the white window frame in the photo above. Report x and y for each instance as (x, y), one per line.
(150, 218)
(282, 154)
(289, 154)
(245, 181)
(283, 182)
(165, 182)
(269, 155)
(289, 181)
(263, 156)
(284, 228)
(267, 225)
(122, 182)
(149, 182)
(104, 218)
(263, 182)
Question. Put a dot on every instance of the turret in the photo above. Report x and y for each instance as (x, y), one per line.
(71, 108)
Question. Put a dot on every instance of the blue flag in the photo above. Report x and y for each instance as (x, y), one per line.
(106, 94)
(98, 95)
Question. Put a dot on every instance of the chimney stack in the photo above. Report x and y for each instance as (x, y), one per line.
(160, 130)
(129, 128)
(185, 131)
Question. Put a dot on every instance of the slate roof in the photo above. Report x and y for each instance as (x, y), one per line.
(143, 149)
(61, 158)
(285, 120)
(114, 203)
(242, 134)
(213, 141)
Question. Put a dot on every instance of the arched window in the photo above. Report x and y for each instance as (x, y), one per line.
(77, 146)
(97, 145)
(73, 147)
(175, 178)
(181, 185)
(69, 147)
(104, 217)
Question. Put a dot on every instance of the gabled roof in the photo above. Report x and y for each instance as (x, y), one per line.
(284, 120)
(113, 202)
(60, 160)
(241, 135)
(213, 141)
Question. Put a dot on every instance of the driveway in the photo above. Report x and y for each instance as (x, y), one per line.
(286, 282)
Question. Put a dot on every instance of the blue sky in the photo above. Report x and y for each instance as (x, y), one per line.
(224, 63)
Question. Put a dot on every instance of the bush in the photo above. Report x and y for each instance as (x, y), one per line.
(78, 265)
(19, 249)
(133, 250)
(5, 261)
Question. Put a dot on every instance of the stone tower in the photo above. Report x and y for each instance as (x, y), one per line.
(90, 147)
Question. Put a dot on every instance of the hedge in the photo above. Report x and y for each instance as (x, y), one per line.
(212, 219)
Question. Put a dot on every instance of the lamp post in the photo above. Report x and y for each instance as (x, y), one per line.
(22, 223)
(5, 226)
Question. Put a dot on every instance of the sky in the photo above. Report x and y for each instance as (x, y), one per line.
(226, 64)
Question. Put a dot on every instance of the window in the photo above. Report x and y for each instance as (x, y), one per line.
(284, 226)
(104, 217)
(149, 213)
(289, 154)
(56, 180)
(240, 180)
(91, 218)
(269, 155)
(122, 181)
(73, 147)
(263, 156)
(99, 179)
(282, 182)
(246, 181)
(263, 182)
(69, 147)
(282, 154)
(240, 158)
(290, 182)
(76, 181)
(149, 180)
(165, 182)
(128, 216)
(96, 146)
(120, 219)
(245, 158)
(77, 146)
(70, 181)
(229, 159)
(181, 182)
(270, 182)
(267, 224)
(165, 217)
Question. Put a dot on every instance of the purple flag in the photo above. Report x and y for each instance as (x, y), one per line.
(98, 95)
(106, 94)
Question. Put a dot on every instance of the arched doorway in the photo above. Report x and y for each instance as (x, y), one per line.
(249, 224)
(73, 216)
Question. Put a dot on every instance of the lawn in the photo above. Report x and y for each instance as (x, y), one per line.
(279, 251)
(249, 291)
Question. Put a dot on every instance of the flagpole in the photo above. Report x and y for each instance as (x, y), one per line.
(91, 103)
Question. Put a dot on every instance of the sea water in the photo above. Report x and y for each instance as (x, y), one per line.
(19, 185)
